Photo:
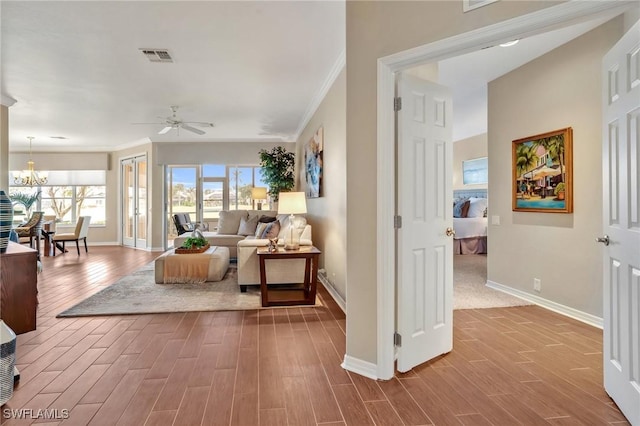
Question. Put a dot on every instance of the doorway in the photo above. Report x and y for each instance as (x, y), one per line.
(533, 23)
(134, 201)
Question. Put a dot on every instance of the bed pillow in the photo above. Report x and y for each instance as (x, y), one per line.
(477, 207)
(464, 210)
(457, 207)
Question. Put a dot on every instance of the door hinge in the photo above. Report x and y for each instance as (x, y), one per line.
(397, 339)
(397, 222)
(397, 104)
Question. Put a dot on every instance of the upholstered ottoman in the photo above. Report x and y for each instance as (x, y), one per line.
(210, 265)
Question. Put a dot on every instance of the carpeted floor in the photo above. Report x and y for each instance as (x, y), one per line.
(139, 294)
(469, 289)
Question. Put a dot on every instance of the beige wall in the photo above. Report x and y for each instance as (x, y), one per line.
(560, 89)
(327, 213)
(468, 149)
(374, 30)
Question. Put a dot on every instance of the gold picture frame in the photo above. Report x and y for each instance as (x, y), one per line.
(542, 178)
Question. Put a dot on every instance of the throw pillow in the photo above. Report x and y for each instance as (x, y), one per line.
(267, 219)
(272, 230)
(465, 208)
(260, 229)
(248, 226)
(229, 221)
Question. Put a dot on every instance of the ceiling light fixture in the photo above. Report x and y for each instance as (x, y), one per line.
(30, 177)
(510, 43)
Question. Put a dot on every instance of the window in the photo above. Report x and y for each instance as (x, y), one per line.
(241, 180)
(68, 203)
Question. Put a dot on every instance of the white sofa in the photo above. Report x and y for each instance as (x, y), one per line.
(226, 234)
(279, 271)
(243, 247)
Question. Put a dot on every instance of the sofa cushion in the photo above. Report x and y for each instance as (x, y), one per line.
(229, 221)
(248, 225)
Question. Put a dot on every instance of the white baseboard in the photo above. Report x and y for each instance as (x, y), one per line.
(103, 243)
(358, 366)
(548, 304)
(332, 291)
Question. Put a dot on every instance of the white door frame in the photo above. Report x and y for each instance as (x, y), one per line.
(523, 26)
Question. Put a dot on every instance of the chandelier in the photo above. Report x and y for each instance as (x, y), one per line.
(30, 177)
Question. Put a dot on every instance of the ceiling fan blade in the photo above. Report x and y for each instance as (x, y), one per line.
(165, 130)
(199, 123)
(192, 129)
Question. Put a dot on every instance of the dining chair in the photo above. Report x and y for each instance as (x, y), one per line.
(80, 233)
(30, 231)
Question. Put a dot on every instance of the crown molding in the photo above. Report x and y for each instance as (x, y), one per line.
(338, 66)
(7, 101)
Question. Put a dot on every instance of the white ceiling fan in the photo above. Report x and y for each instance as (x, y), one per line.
(174, 122)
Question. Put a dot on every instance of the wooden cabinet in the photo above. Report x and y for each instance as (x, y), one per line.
(19, 287)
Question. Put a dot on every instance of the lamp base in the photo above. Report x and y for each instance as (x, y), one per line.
(292, 246)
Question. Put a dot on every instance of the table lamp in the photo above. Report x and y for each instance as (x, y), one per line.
(259, 193)
(292, 203)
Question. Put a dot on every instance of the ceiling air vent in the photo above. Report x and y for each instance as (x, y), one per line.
(157, 55)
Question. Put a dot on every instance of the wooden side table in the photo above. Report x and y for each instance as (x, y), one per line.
(309, 287)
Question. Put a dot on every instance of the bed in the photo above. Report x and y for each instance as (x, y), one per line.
(471, 232)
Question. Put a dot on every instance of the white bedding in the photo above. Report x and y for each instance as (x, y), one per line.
(470, 227)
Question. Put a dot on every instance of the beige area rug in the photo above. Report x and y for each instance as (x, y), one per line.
(139, 294)
(469, 285)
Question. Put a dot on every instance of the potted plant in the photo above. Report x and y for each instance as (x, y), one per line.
(194, 242)
(277, 170)
(26, 199)
(559, 191)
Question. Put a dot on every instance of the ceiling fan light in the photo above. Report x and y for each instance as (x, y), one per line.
(510, 43)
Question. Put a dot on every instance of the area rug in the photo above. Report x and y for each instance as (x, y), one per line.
(469, 285)
(139, 294)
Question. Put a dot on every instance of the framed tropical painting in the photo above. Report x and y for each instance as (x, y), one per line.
(543, 172)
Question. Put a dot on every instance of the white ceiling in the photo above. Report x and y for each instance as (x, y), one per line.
(468, 75)
(255, 69)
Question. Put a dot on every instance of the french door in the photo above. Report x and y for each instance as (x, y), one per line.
(134, 201)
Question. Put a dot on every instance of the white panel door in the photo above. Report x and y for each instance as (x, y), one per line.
(134, 201)
(621, 184)
(425, 251)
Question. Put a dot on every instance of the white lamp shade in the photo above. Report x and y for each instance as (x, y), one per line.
(259, 193)
(292, 203)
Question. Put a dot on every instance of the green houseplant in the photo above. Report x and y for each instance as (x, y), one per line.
(277, 170)
(26, 199)
(194, 242)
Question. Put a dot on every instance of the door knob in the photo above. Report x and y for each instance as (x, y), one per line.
(450, 232)
(604, 240)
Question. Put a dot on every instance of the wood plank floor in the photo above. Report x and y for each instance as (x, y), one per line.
(509, 366)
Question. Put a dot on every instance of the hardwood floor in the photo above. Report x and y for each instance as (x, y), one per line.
(281, 366)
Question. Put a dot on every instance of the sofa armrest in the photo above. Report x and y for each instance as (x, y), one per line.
(253, 242)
